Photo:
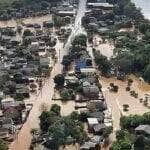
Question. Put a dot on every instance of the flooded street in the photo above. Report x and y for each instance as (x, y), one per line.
(116, 100)
(45, 96)
(77, 27)
(24, 137)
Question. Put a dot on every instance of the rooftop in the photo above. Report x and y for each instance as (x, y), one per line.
(100, 5)
(145, 128)
(92, 121)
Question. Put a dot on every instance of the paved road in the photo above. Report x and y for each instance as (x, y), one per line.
(24, 136)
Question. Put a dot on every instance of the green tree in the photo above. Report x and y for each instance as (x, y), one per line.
(107, 132)
(143, 27)
(56, 109)
(123, 144)
(146, 118)
(74, 115)
(80, 40)
(27, 32)
(3, 145)
(120, 134)
(58, 22)
(147, 73)
(66, 62)
(17, 4)
(33, 86)
(139, 143)
(67, 127)
(59, 80)
(47, 119)
(103, 64)
(132, 121)
(67, 94)
(125, 62)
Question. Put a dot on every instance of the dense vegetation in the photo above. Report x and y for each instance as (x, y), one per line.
(127, 138)
(23, 8)
(17, 4)
(103, 64)
(133, 48)
(134, 120)
(63, 130)
(3, 145)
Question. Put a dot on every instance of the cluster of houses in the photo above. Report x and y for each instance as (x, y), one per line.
(99, 16)
(26, 60)
(101, 19)
(68, 8)
(65, 13)
(89, 99)
(27, 55)
(40, 9)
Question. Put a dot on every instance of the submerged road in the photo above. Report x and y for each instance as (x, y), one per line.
(24, 137)
(77, 28)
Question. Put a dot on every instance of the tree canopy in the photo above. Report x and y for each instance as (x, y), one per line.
(3, 145)
(61, 129)
(59, 80)
(80, 40)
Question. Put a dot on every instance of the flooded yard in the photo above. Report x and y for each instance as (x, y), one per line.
(105, 48)
(14, 23)
(124, 97)
(116, 100)
(38, 20)
(66, 107)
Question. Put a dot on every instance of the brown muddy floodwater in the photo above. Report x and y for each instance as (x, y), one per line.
(124, 97)
(105, 49)
(24, 137)
(14, 23)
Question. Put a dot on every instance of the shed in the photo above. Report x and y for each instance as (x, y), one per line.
(99, 128)
(88, 71)
(143, 129)
(98, 114)
(100, 5)
(91, 123)
(66, 13)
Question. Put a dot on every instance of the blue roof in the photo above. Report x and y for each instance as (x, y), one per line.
(80, 64)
